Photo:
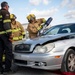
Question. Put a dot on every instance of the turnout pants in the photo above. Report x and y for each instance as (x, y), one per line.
(5, 46)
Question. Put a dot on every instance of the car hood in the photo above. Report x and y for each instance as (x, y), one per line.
(44, 39)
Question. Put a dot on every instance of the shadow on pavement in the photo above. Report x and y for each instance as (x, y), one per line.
(31, 71)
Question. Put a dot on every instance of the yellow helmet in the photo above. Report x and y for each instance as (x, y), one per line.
(30, 16)
(12, 16)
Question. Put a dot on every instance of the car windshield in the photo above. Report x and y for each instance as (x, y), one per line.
(60, 29)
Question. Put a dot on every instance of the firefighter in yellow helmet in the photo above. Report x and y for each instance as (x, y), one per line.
(18, 32)
(34, 25)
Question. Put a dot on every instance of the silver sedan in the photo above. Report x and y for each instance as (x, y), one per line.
(55, 49)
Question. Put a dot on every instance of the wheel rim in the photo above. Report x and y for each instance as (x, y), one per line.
(71, 62)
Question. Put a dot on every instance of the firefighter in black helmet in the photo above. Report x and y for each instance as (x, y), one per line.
(5, 36)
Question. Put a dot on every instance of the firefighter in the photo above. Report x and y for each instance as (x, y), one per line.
(34, 25)
(18, 32)
(5, 37)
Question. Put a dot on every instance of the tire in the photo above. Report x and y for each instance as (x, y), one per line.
(68, 64)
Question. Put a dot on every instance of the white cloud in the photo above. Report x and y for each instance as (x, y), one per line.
(44, 13)
(46, 2)
(70, 14)
(10, 10)
(64, 3)
(37, 2)
(68, 3)
(72, 4)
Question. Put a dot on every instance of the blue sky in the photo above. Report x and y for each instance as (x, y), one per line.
(62, 11)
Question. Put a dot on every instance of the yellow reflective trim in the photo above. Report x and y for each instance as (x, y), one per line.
(3, 58)
(44, 20)
(17, 38)
(39, 27)
(23, 33)
(2, 32)
(7, 20)
(9, 30)
(20, 37)
(19, 28)
(16, 30)
(0, 16)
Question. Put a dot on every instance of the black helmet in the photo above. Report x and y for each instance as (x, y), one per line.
(3, 4)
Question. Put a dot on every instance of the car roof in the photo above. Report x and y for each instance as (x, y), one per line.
(64, 24)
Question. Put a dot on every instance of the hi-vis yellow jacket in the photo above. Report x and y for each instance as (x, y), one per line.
(17, 31)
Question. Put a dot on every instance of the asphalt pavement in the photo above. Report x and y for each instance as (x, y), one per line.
(31, 71)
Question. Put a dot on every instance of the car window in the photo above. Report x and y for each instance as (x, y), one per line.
(60, 29)
(72, 28)
(64, 30)
(67, 29)
(53, 31)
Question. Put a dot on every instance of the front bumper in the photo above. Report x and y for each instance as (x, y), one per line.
(41, 61)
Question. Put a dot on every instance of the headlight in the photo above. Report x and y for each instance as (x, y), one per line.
(44, 49)
(22, 47)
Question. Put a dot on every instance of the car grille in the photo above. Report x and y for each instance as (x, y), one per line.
(20, 62)
(22, 48)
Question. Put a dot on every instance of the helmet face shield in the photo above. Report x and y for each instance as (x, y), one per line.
(32, 19)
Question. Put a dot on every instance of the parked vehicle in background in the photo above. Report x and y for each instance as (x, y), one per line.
(54, 49)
